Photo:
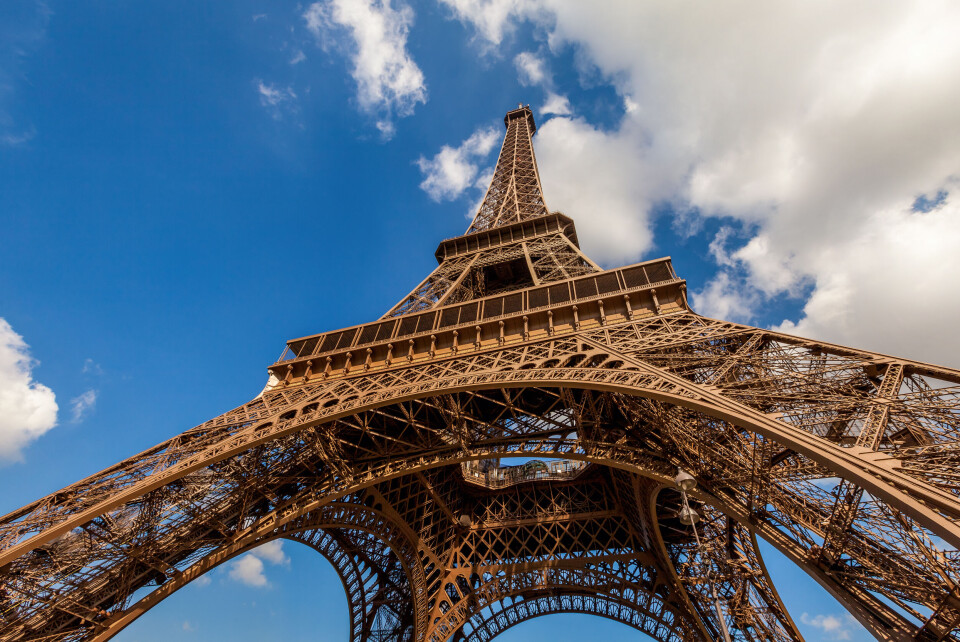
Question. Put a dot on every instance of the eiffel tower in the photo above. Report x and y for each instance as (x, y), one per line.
(504, 444)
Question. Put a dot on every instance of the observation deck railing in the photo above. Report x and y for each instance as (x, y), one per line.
(534, 470)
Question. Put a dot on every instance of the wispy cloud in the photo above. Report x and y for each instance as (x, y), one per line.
(272, 96)
(91, 367)
(835, 627)
(374, 33)
(532, 71)
(14, 139)
(453, 169)
(23, 31)
(82, 405)
(298, 58)
(28, 409)
(275, 99)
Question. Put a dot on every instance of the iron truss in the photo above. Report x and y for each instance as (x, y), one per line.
(382, 447)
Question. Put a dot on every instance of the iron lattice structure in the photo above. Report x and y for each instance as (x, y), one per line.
(384, 447)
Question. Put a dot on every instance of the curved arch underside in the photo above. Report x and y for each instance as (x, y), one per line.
(843, 460)
(486, 626)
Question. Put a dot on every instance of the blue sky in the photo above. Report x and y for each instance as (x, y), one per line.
(184, 186)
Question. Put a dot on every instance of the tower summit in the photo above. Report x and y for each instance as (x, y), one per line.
(504, 443)
(515, 194)
(513, 241)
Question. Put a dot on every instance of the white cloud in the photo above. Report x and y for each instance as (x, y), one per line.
(188, 627)
(83, 404)
(805, 123)
(556, 105)
(834, 626)
(272, 552)
(453, 169)
(892, 286)
(298, 58)
(389, 82)
(271, 96)
(493, 19)
(601, 180)
(718, 247)
(724, 297)
(531, 69)
(28, 408)
(249, 569)
(203, 580)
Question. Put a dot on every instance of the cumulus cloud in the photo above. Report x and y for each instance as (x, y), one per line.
(389, 82)
(604, 182)
(556, 105)
(249, 569)
(272, 552)
(83, 404)
(453, 169)
(28, 408)
(725, 297)
(835, 627)
(803, 124)
(892, 286)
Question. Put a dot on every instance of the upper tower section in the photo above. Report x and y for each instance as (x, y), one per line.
(517, 274)
(515, 193)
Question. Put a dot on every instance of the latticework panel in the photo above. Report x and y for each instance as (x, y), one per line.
(515, 193)
(545, 259)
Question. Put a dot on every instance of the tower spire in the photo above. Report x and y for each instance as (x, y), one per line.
(513, 243)
(514, 194)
